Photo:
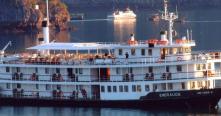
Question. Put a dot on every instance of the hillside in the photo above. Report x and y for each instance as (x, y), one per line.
(21, 15)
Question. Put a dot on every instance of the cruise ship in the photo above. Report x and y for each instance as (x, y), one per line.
(156, 73)
(118, 15)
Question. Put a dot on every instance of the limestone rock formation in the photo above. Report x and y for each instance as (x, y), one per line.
(22, 15)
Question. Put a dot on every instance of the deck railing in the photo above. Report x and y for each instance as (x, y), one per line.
(127, 77)
(111, 60)
(33, 94)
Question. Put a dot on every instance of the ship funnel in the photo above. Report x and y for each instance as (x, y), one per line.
(45, 27)
(163, 35)
(132, 37)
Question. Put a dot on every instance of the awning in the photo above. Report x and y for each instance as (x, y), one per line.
(72, 46)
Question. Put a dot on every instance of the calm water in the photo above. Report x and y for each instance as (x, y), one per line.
(206, 34)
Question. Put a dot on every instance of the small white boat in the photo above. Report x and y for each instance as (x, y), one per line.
(127, 14)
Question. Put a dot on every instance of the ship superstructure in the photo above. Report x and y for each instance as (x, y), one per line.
(153, 73)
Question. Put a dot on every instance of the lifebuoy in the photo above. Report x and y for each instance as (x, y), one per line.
(179, 58)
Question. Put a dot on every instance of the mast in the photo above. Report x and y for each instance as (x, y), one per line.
(45, 25)
(170, 17)
(47, 10)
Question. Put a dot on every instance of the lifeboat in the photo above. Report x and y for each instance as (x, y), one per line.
(132, 42)
(152, 41)
(181, 41)
(162, 42)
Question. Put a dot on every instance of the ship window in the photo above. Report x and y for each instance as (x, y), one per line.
(180, 50)
(57, 70)
(183, 85)
(199, 84)
(18, 69)
(131, 70)
(58, 87)
(125, 88)
(47, 87)
(114, 89)
(80, 71)
(193, 85)
(8, 86)
(171, 51)
(108, 88)
(133, 88)
(138, 88)
(170, 86)
(120, 52)
(143, 52)
(188, 50)
(155, 87)
(117, 70)
(163, 85)
(102, 89)
(37, 86)
(179, 68)
(150, 69)
(36, 70)
(166, 51)
(167, 69)
(76, 71)
(204, 66)
(209, 66)
(208, 84)
(197, 66)
(200, 66)
(150, 52)
(147, 88)
(121, 88)
(174, 50)
(18, 85)
(7, 69)
(46, 71)
(133, 51)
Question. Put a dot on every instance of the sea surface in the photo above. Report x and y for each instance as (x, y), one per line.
(206, 31)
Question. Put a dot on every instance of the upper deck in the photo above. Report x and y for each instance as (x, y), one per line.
(111, 54)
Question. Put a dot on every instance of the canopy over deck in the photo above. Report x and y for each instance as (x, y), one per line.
(72, 46)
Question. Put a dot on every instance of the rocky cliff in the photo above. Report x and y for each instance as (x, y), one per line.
(22, 15)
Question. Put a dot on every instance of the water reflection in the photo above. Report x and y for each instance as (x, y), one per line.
(58, 111)
(123, 29)
(22, 41)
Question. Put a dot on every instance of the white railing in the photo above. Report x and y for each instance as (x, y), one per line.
(111, 60)
(127, 77)
(75, 94)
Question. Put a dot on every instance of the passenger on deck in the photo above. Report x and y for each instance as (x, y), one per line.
(164, 76)
(146, 76)
(91, 60)
(126, 78)
(126, 56)
(132, 77)
(152, 76)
